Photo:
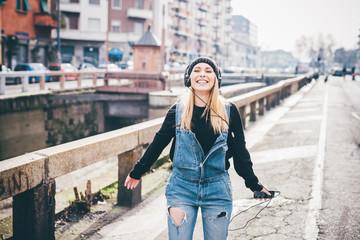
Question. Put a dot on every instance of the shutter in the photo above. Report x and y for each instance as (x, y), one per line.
(26, 5)
(44, 7)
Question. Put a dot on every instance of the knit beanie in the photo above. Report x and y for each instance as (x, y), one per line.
(207, 60)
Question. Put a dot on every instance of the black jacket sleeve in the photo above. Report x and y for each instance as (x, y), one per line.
(241, 156)
(160, 141)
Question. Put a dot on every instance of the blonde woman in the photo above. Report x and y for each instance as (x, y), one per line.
(201, 124)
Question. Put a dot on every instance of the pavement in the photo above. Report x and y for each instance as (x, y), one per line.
(293, 148)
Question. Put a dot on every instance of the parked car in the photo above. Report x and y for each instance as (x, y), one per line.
(65, 67)
(38, 67)
(337, 72)
(9, 80)
(111, 67)
(88, 67)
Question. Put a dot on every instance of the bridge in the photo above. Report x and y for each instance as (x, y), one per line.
(292, 125)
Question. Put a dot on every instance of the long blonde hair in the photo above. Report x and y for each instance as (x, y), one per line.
(215, 102)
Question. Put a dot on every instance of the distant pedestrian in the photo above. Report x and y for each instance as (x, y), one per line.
(207, 132)
(326, 78)
(353, 73)
(344, 72)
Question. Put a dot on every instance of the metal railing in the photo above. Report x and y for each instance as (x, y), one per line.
(30, 178)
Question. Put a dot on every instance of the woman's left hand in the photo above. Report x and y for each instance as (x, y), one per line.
(267, 193)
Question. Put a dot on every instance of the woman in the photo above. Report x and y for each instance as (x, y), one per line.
(200, 152)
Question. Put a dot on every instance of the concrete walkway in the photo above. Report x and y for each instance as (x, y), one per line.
(148, 219)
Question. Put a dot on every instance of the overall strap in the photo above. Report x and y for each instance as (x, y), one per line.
(178, 115)
(227, 107)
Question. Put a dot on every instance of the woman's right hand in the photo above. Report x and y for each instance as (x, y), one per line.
(131, 183)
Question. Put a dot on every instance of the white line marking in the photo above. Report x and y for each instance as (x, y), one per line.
(311, 228)
(354, 114)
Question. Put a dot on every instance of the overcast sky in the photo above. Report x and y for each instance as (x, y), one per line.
(281, 22)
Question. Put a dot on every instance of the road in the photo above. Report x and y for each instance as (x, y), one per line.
(339, 215)
(312, 155)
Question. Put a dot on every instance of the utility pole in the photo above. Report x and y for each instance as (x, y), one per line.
(107, 37)
(0, 35)
(58, 32)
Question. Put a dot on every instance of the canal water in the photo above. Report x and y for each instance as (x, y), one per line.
(31, 123)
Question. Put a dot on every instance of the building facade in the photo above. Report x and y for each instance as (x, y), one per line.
(83, 31)
(278, 59)
(200, 28)
(100, 31)
(246, 53)
(28, 38)
(128, 20)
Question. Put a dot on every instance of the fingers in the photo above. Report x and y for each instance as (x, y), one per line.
(131, 183)
(266, 191)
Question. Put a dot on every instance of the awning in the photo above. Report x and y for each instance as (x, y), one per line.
(115, 52)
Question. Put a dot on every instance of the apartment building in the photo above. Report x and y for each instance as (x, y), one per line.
(26, 32)
(245, 49)
(200, 28)
(94, 30)
(128, 20)
(278, 59)
(83, 31)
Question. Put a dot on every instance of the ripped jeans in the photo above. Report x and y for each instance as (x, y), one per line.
(213, 196)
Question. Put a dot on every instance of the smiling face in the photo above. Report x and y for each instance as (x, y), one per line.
(202, 77)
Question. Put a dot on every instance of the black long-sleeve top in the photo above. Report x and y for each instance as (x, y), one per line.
(206, 136)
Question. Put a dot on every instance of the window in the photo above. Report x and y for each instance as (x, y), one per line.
(91, 55)
(71, 20)
(94, 2)
(22, 5)
(139, 4)
(44, 6)
(94, 24)
(115, 25)
(116, 4)
(138, 28)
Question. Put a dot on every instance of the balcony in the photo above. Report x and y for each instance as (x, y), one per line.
(44, 20)
(70, 7)
(139, 13)
(181, 13)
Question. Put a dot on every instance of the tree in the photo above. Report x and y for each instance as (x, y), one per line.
(316, 49)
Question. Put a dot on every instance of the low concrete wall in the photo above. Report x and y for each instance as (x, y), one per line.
(29, 178)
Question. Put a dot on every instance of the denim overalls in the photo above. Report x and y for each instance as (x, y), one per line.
(199, 181)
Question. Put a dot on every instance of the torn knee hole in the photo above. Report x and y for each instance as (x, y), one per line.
(177, 215)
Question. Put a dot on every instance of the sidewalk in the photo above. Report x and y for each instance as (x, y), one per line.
(148, 219)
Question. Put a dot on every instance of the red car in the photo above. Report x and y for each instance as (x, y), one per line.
(65, 67)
